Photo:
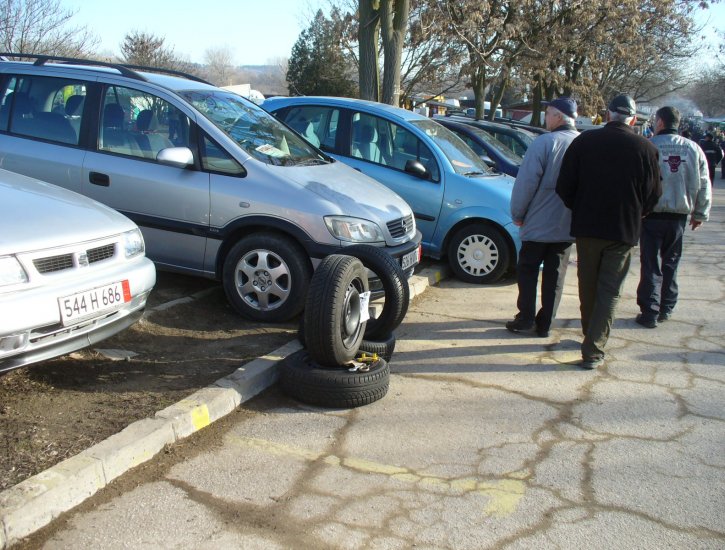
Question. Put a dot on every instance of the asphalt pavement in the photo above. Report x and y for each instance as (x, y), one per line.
(486, 439)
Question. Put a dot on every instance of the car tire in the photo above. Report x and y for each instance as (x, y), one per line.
(395, 286)
(333, 327)
(479, 254)
(302, 378)
(286, 271)
(383, 347)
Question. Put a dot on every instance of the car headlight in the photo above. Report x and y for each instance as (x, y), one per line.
(133, 243)
(11, 272)
(354, 230)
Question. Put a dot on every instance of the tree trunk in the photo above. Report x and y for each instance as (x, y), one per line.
(536, 103)
(496, 99)
(368, 34)
(394, 23)
(478, 83)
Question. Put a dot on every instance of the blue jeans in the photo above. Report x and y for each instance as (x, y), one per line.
(660, 249)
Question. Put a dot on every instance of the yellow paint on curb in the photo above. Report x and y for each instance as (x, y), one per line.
(200, 417)
(503, 495)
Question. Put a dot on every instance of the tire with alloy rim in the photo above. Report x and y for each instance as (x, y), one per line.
(333, 327)
(266, 276)
(302, 378)
(478, 254)
(384, 347)
(395, 286)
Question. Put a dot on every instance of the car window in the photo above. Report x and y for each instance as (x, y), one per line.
(257, 132)
(216, 159)
(383, 142)
(462, 158)
(318, 125)
(139, 124)
(503, 149)
(45, 108)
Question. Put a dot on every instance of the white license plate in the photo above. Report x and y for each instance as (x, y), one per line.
(93, 302)
(409, 260)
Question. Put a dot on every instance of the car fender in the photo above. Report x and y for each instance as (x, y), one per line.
(473, 214)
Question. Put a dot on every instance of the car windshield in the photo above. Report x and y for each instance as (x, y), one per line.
(498, 145)
(526, 136)
(463, 159)
(257, 132)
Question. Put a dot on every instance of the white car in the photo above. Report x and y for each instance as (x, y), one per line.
(72, 271)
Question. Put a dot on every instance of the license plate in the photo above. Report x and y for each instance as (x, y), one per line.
(409, 260)
(91, 303)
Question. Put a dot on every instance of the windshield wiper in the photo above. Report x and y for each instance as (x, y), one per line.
(312, 162)
(475, 173)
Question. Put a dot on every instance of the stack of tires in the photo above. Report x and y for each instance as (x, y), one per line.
(345, 360)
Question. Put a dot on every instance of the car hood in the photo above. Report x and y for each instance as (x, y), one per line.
(355, 193)
(35, 215)
(497, 187)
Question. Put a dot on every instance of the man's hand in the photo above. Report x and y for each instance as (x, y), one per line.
(694, 223)
(518, 223)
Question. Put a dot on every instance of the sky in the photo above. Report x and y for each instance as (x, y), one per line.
(256, 32)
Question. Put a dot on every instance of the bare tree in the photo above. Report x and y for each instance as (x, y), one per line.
(146, 49)
(219, 63)
(43, 27)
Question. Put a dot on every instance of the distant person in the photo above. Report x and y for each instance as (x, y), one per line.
(713, 153)
(686, 134)
(610, 179)
(544, 222)
(685, 191)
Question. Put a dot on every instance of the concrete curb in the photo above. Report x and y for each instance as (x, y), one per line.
(35, 502)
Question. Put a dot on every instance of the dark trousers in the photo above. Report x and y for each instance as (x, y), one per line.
(555, 257)
(660, 249)
(601, 270)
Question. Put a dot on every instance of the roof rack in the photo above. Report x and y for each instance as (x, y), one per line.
(124, 69)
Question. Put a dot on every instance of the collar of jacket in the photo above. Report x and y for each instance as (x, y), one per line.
(617, 125)
(667, 131)
(563, 127)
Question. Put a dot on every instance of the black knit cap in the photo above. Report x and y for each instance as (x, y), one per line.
(623, 104)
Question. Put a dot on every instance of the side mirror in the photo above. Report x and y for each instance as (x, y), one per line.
(416, 168)
(181, 157)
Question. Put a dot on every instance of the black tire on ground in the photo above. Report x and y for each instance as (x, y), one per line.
(333, 330)
(301, 332)
(479, 254)
(265, 277)
(395, 285)
(300, 377)
(384, 347)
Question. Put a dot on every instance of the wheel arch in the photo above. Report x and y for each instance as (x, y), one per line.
(239, 229)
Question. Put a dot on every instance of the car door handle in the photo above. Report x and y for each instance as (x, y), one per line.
(96, 178)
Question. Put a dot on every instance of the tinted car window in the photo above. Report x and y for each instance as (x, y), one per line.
(139, 124)
(45, 108)
(383, 142)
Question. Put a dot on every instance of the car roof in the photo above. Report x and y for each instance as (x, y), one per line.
(370, 106)
(505, 128)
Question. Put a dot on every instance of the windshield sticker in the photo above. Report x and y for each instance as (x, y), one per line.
(271, 151)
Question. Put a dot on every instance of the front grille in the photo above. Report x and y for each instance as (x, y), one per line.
(101, 253)
(400, 227)
(54, 263)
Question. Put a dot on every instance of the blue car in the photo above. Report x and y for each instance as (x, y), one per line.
(461, 207)
(494, 153)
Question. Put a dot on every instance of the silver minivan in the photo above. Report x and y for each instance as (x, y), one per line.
(219, 187)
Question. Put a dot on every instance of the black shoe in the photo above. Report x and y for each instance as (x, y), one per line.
(647, 322)
(591, 364)
(542, 332)
(517, 325)
(662, 317)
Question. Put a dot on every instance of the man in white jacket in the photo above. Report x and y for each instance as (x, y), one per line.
(544, 222)
(685, 192)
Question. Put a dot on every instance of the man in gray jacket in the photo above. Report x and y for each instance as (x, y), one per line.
(685, 191)
(543, 220)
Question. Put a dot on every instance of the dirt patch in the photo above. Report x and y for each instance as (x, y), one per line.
(54, 410)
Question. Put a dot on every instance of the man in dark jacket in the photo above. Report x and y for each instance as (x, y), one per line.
(713, 153)
(610, 179)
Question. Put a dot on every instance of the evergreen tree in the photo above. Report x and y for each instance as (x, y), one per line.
(318, 65)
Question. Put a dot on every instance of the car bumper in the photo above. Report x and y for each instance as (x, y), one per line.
(32, 330)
